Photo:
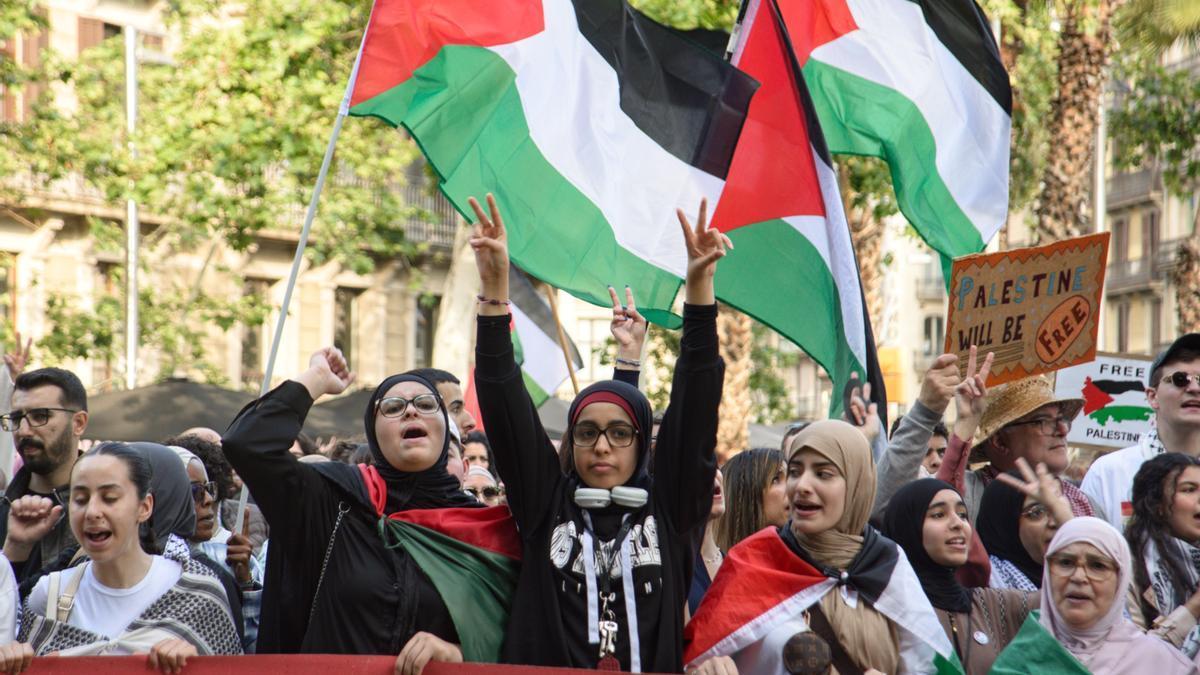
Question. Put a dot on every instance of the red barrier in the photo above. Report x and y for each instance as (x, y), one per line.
(292, 664)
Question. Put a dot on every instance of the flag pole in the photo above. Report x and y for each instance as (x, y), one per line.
(552, 296)
(298, 259)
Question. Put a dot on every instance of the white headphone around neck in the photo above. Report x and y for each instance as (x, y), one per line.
(598, 498)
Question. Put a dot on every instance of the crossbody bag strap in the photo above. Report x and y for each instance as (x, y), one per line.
(343, 509)
(820, 625)
(66, 601)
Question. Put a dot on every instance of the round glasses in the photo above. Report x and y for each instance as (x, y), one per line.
(394, 406)
(1035, 513)
(619, 435)
(1096, 568)
(1048, 426)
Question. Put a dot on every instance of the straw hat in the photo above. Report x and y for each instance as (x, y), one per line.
(1010, 402)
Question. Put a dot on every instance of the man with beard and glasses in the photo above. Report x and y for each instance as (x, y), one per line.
(47, 416)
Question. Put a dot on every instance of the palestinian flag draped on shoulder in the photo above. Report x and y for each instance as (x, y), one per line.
(763, 589)
(592, 124)
(920, 84)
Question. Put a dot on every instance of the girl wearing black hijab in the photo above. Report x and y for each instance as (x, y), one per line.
(1015, 530)
(928, 519)
(340, 576)
(608, 541)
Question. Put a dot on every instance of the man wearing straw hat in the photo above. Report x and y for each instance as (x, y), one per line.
(1173, 391)
(1024, 419)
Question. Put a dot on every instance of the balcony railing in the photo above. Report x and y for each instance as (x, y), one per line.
(1132, 187)
(931, 288)
(1125, 275)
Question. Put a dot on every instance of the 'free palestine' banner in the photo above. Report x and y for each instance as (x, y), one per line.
(1035, 308)
(1113, 388)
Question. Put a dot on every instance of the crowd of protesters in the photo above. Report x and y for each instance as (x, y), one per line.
(435, 536)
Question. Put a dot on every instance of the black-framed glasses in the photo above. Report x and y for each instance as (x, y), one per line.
(1181, 379)
(394, 406)
(35, 417)
(619, 435)
(485, 492)
(1047, 426)
(198, 490)
(1095, 567)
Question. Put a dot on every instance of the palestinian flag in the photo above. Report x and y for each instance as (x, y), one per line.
(758, 599)
(920, 84)
(535, 339)
(793, 266)
(1115, 401)
(1035, 649)
(471, 555)
(590, 123)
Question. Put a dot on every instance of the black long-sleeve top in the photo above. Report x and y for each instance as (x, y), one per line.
(549, 622)
(372, 599)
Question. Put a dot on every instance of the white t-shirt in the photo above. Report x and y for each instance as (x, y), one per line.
(1109, 482)
(109, 611)
(9, 601)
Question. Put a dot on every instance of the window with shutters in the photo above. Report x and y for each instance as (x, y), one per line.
(253, 337)
(94, 31)
(427, 315)
(345, 322)
(8, 105)
(8, 288)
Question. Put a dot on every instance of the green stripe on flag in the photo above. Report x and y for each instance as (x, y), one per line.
(854, 112)
(806, 306)
(536, 393)
(553, 227)
(477, 586)
(1035, 650)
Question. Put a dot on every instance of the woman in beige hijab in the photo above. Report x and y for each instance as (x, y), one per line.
(825, 587)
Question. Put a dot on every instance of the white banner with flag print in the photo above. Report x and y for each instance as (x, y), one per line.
(1115, 410)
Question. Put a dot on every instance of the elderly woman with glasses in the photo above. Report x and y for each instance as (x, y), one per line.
(369, 559)
(1081, 627)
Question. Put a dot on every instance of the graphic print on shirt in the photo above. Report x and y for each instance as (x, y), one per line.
(566, 546)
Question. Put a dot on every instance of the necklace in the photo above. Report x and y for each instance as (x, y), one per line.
(714, 559)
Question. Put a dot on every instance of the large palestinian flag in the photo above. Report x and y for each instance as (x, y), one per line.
(592, 124)
(793, 267)
(758, 599)
(589, 122)
(920, 84)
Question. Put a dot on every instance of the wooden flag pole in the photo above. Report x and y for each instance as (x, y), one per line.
(552, 296)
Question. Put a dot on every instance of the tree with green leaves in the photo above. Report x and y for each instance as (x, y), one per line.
(232, 129)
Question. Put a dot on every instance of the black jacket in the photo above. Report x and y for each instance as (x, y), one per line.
(549, 622)
(53, 544)
(372, 599)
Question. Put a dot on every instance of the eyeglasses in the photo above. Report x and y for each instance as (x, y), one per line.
(1048, 426)
(486, 492)
(1035, 513)
(618, 435)
(394, 406)
(36, 417)
(1096, 569)
(1181, 379)
(198, 490)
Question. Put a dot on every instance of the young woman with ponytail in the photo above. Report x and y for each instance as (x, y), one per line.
(1164, 537)
(137, 592)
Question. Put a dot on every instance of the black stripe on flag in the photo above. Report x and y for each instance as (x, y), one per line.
(963, 28)
(689, 100)
(1115, 387)
(522, 293)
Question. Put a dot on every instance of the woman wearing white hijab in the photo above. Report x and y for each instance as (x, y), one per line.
(1082, 626)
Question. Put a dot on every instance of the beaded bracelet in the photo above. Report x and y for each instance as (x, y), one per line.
(489, 301)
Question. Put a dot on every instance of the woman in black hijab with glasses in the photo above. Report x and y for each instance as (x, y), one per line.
(339, 579)
(609, 542)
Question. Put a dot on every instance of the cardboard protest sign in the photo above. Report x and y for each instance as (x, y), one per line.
(1115, 410)
(1035, 308)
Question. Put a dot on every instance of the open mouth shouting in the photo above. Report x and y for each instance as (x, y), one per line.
(804, 509)
(957, 543)
(414, 433)
(96, 537)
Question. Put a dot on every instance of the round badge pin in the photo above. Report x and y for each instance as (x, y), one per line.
(981, 637)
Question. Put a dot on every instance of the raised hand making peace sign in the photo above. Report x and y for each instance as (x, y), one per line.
(705, 247)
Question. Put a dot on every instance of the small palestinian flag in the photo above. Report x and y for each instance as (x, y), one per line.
(1115, 401)
(535, 339)
(1035, 650)
(920, 84)
(472, 556)
(758, 600)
